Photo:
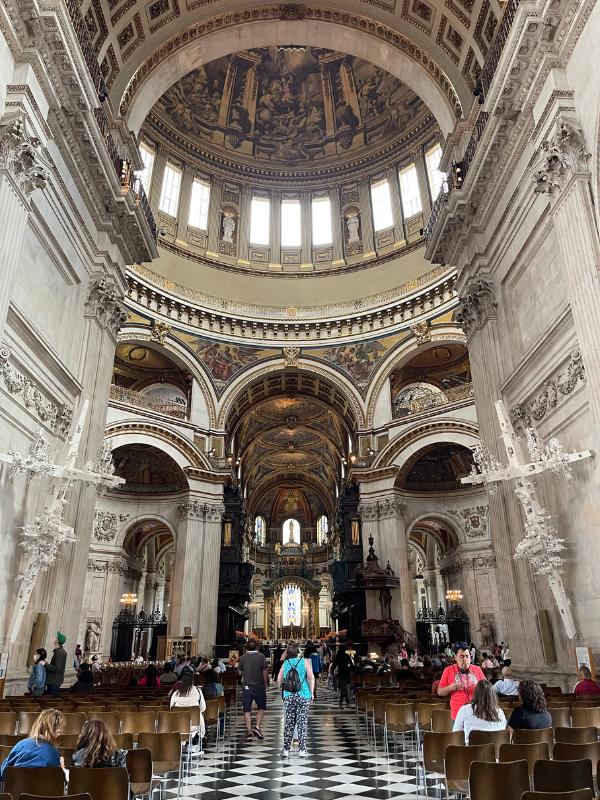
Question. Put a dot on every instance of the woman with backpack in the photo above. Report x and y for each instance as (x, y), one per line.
(298, 683)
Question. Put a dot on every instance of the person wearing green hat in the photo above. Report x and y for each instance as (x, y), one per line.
(55, 670)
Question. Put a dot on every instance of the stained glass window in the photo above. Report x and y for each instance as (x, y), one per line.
(291, 606)
(260, 530)
(322, 529)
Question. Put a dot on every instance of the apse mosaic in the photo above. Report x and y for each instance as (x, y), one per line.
(290, 105)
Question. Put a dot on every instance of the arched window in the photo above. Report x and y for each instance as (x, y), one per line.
(322, 529)
(291, 531)
(291, 605)
(260, 528)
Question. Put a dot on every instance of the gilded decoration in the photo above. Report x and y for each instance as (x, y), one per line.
(289, 105)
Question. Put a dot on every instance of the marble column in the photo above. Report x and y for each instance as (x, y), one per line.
(21, 172)
(275, 228)
(337, 230)
(156, 179)
(209, 592)
(185, 601)
(104, 315)
(423, 183)
(214, 216)
(519, 624)
(366, 218)
(185, 200)
(244, 224)
(369, 516)
(306, 229)
(393, 183)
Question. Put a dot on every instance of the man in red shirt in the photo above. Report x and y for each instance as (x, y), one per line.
(459, 680)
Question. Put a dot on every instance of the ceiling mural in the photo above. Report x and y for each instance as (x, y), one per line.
(289, 105)
(147, 470)
(438, 468)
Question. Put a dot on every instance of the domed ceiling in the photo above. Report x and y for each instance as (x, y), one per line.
(286, 109)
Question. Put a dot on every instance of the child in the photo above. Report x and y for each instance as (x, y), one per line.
(37, 679)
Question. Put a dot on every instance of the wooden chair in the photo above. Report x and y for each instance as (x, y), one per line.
(457, 764)
(561, 716)
(578, 794)
(35, 780)
(525, 752)
(166, 754)
(585, 717)
(497, 738)
(111, 719)
(434, 752)
(8, 722)
(68, 740)
(527, 736)
(139, 767)
(399, 720)
(211, 715)
(7, 796)
(178, 720)
(576, 735)
(123, 741)
(101, 784)
(12, 739)
(425, 714)
(490, 781)
(4, 751)
(137, 722)
(81, 796)
(441, 721)
(26, 720)
(565, 751)
(563, 776)
(67, 754)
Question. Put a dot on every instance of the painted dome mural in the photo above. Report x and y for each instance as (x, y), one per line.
(289, 106)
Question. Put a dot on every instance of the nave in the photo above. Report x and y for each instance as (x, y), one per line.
(341, 764)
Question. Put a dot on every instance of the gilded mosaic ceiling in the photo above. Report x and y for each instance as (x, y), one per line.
(289, 106)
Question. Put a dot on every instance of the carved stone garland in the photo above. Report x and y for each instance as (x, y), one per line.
(563, 155)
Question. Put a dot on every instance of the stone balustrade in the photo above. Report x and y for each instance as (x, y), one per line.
(131, 397)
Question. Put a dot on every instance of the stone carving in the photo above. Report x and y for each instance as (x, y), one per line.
(160, 331)
(291, 356)
(559, 385)
(194, 509)
(105, 303)
(353, 224)
(57, 416)
(473, 520)
(563, 154)
(421, 332)
(92, 636)
(106, 525)
(381, 509)
(477, 304)
(118, 567)
(20, 157)
(228, 228)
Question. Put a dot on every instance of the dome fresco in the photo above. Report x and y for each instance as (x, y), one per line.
(289, 106)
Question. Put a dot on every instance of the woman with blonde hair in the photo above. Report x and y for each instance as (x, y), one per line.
(39, 749)
(96, 748)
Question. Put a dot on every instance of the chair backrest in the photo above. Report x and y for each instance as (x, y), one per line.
(490, 781)
(74, 722)
(402, 714)
(562, 776)
(8, 722)
(441, 721)
(4, 751)
(80, 796)
(123, 741)
(434, 748)
(139, 765)
(578, 794)
(530, 752)
(11, 739)
(425, 712)
(530, 736)
(6, 796)
(26, 720)
(211, 715)
(102, 784)
(67, 740)
(585, 716)
(561, 716)
(163, 746)
(177, 720)
(459, 758)
(138, 722)
(566, 751)
(576, 735)
(497, 738)
(35, 780)
(111, 719)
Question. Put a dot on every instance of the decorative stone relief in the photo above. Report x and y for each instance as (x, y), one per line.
(473, 520)
(291, 356)
(57, 416)
(106, 525)
(382, 509)
(19, 156)
(194, 509)
(160, 331)
(461, 564)
(421, 332)
(548, 397)
(118, 567)
(563, 155)
(105, 303)
(477, 303)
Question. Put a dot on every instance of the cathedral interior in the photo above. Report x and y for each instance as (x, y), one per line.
(327, 272)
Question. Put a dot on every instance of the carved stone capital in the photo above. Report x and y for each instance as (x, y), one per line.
(477, 305)
(214, 512)
(384, 508)
(19, 155)
(563, 155)
(105, 303)
(160, 331)
(195, 509)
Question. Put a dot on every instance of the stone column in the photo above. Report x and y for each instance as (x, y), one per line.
(519, 625)
(393, 183)
(214, 216)
(366, 217)
(185, 201)
(21, 172)
(433, 599)
(306, 228)
(156, 179)
(394, 548)
(369, 516)
(336, 225)
(244, 224)
(565, 177)
(185, 601)
(423, 183)
(209, 594)
(275, 228)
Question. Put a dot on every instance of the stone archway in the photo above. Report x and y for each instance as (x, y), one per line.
(291, 608)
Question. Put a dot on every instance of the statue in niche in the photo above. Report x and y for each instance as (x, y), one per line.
(353, 224)
(228, 229)
(92, 637)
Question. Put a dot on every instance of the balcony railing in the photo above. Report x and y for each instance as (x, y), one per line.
(131, 397)
(142, 200)
(493, 57)
(432, 400)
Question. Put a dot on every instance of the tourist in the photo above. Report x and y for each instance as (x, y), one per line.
(459, 679)
(483, 712)
(85, 681)
(78, 657)
(39, 749)
(507, 685)
(168, 677)
(95, 747)
(254, 669)
(315, 662)
(405, 673)
(37, 677)
(218, 666)
(436, 682)
(298, 683)
(586, 685)
(212, 685)
(202, 665)
(189, 696)
(55, 670)
(341, 667)
(487, 662)
(414, 661)
(532, 713)
(277, 658)
(150, 677)
(96, 671)
(504, 651)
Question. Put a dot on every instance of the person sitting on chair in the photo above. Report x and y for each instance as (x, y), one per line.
(39, 749)
(95, 747)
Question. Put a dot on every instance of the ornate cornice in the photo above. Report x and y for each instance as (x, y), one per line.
(461, 564)
(477, 304)
(563, 155)
(20, 155)
(195, 509)
(117, 567)
(104, 302)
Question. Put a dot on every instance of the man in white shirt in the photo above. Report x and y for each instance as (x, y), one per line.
(507, 685)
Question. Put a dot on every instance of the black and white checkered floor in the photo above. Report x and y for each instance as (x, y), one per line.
(341, 765)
